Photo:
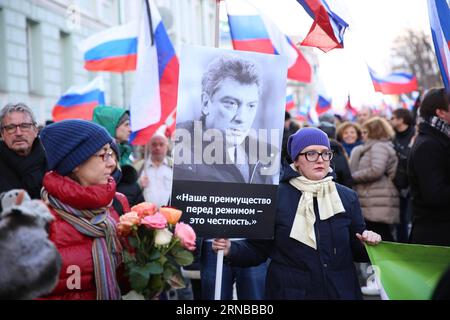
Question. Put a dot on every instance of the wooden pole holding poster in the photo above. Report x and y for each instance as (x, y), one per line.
(219, 262)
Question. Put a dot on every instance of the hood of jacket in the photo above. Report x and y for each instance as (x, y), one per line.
(108, 117)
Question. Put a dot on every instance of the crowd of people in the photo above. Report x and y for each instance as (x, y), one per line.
(342, 184)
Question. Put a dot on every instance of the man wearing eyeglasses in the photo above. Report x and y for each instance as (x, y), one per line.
(22, 157)
(229, 104)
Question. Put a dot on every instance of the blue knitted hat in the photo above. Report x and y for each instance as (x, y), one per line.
(304, 138)
(69, 143)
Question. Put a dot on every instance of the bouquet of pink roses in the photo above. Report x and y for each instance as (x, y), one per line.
(161, 246)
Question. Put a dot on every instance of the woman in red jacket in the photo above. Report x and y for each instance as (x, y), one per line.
(79, 190)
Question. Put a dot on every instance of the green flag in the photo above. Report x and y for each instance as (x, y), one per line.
(409, 271)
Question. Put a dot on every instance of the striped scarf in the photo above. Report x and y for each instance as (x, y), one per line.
(106, 247)
(438, 124)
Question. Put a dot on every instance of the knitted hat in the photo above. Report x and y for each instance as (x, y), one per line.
(306, 137)
(69, 143)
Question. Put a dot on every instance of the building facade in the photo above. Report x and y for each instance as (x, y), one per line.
(39, 55)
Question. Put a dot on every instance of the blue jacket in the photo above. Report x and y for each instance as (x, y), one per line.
(297, 271)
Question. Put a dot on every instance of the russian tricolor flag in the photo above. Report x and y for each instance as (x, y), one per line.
(394, 83)
(154, 96)
(252, 31)
(303, 111)
(439, 13)
(327, 31)
(350, 111)
(114, 49)
(323, 105)
(290, 102)
(406, 102)
(79, 101)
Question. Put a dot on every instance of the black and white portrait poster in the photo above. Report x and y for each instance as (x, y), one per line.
(228, 137)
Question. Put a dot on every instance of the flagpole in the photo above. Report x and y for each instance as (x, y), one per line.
(149, 15)
(217, 25)
(145, 163)
(121, 21)
(219, 263)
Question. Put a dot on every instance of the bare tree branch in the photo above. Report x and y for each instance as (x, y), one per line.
(412, 52)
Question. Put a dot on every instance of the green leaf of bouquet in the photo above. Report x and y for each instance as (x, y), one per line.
(154, 268)
(155, 254)
(139, 278)
(128, 257)
(168, 272)
(162, 260)
(176, 281)
(133, 242)
(156, 284)
(177, 248)
(183, 258)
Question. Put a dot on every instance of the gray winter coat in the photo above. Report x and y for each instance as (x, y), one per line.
(373, 166)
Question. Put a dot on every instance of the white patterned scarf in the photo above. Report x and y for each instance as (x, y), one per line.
(438, 124)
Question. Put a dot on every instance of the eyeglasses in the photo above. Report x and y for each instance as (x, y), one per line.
(313, 156)
(24, 127)
(105, 156)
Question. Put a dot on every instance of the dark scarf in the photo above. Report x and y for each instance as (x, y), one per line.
(438, 124)
(349, 146)
(28, 170)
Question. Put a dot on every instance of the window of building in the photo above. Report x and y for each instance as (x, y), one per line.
(3, 71)
(116, 89)
(67, 58)
(35, 58)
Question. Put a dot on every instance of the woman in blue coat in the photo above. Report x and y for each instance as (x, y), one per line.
(319, 230)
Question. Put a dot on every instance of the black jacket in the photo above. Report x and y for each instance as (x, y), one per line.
(297, 271)
(429, 176)
(287, 132)
(402, 149)
(18, 172)
(129, 186)
(339, 163)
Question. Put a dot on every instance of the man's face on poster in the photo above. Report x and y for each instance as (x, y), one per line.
(231, 109)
